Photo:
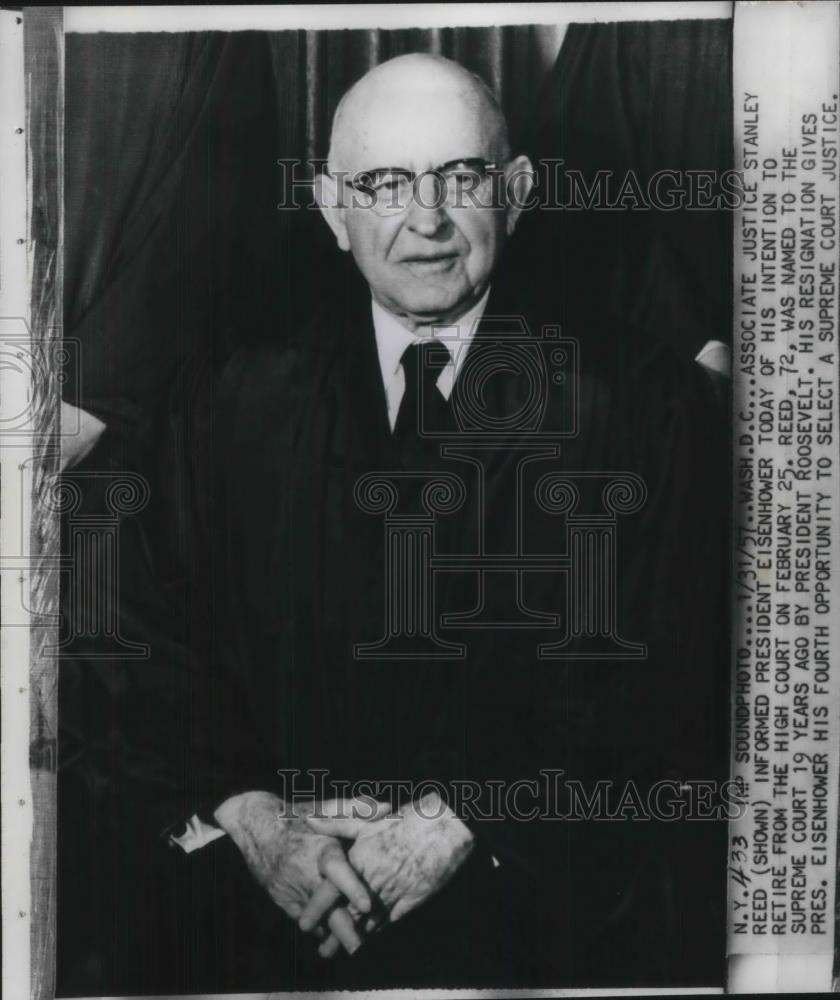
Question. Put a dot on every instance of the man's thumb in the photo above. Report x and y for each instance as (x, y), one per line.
(341, 827)
(368, 808)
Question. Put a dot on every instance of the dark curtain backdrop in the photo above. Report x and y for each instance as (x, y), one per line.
(169, 154)
(642, 98)
(513, 60)
(172, 182)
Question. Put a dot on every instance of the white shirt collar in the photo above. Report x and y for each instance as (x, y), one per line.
(392, 338)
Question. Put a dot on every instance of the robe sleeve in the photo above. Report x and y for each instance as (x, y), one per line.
(219, 451)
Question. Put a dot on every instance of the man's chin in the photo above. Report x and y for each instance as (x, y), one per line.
(437, 308)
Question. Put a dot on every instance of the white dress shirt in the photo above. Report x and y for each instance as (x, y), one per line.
(392, 338)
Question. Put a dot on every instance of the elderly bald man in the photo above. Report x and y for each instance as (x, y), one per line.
(432, 849)
(423, 191)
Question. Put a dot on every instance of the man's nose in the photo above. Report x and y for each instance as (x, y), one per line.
(426, 213)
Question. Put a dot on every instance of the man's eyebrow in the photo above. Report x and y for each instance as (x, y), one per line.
(372, 171)
(469, 161)
(383, 170)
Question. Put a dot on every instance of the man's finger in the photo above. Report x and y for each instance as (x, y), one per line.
(330, 944)
(334, 866)
(360, 807)
(400, 909)
(320, 903)
(344, 826)
(366, 807)
(341, 924)
(330, 947)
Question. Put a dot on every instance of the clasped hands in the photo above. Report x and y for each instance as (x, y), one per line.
(343, 868)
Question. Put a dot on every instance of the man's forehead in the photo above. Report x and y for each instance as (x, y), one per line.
(414, 130)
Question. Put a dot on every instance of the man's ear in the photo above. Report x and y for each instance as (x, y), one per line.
(332, 208)
(519, 182)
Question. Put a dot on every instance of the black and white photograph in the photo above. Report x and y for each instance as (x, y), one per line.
(395, 620)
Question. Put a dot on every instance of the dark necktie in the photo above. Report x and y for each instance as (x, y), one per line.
(423, 413)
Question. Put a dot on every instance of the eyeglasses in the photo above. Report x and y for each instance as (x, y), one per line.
(389, 190)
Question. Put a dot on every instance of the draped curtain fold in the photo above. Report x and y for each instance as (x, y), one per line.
(169, 172)
(513, 60)
(643, 98)
(172, 183)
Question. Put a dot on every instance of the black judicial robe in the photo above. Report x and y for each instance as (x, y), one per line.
(287, 577)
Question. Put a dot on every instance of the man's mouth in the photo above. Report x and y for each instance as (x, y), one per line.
(430, 263)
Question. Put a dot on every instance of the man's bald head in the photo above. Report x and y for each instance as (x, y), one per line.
(418, 96)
